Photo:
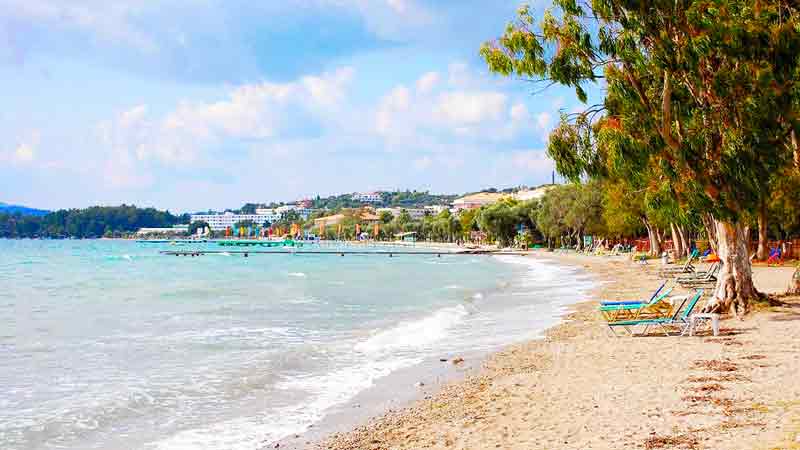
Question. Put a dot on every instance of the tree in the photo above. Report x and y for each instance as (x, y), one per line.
(386, 217)
(403, 220)
(468, 220)
(700, 96)
(501, 219)
(550, 215)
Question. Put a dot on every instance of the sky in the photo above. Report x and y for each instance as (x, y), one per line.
(192, 105)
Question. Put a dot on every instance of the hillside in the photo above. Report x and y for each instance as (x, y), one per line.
(5, 208)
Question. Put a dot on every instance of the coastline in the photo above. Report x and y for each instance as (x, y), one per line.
(423, 380)
(554, 392)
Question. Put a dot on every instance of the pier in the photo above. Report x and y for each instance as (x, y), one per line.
(389, 253)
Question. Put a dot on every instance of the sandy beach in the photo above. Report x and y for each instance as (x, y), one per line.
(579, 388)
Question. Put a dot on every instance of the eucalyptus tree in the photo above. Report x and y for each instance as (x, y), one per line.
(501, 220)
(701, 96)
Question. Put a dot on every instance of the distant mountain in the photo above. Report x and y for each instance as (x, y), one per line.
(24, 210)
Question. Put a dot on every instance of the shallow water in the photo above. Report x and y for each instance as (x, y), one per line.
(109, 345)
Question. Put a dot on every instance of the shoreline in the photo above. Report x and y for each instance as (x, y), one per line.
(425, 379)
(554, 392)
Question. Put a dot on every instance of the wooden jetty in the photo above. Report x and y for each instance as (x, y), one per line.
(389, 253)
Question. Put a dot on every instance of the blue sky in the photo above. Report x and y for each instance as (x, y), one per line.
(197, 104)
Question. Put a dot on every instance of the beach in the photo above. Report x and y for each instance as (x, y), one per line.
(579, 388)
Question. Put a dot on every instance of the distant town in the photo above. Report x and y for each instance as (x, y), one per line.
(369, 204)
(337, 214)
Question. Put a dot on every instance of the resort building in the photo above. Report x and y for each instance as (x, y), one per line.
(369, 197)
(532, 194)
(365, 217)
(175, 229)
(476, 200)
(301, 211)
(435, 209)
(218, 222)
(414, 213)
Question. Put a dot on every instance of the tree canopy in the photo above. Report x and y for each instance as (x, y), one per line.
(699, 106)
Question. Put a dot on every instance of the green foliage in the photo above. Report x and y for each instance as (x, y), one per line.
(700, 97)
(94, 222)
(571, 210)
(386, 217)
(502, 220)
(784, 205)
(398, 199)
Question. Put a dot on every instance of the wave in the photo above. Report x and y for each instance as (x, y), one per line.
(322, 393)
(297, 274)
(415, 334)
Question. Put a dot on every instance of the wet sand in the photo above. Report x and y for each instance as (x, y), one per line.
(579, 388)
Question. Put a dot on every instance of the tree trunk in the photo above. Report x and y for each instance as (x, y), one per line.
(655, 242)
(794, 285)
(762, 252)
(677, 243)
(684, 239)
(735, 288)
(711, 231)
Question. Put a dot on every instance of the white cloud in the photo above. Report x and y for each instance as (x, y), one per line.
(133, 116)
(393, 104)
(470, 108)
(400, 6)
(110, 21)
(458, 74)
(329, 89)
(390, 18)
(427, 82)
(422, 163)
(532, 160)
(249, 112)
(24, 153)
(434, 129)
(519, 114)
(543, 121)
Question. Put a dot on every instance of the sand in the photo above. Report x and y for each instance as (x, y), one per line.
(579, 388)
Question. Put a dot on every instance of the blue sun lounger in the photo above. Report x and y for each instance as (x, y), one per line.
(678, 318)
(635, 302)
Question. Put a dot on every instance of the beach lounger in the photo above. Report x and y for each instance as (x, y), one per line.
(700, 276)
(677, 318)
(632, 310)
(673, 270)
(633, 302)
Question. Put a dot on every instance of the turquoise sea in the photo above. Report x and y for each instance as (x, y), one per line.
(110, 345)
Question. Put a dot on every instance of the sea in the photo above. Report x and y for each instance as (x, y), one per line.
(109, 344)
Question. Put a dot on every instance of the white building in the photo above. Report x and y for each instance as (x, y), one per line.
(532, 194)
(369, 197)
(219, 222)
(476, 200)
(414, 213)
(300, 210)
(435, 209)
(175, 229)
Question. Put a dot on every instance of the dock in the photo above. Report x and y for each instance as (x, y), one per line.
(389, 253)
